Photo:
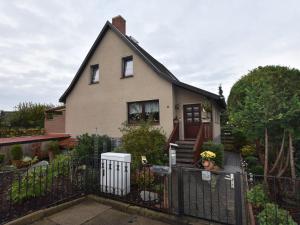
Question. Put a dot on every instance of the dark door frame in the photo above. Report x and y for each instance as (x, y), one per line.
(184, 117)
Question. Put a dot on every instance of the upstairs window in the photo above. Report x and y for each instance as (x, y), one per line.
(127, 66)
(95, 74)
(143, 111)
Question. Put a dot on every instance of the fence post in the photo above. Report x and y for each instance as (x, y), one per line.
(238, 199)
(180, 192)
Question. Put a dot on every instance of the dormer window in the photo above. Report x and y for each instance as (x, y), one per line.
(95, 76)
(127, 66)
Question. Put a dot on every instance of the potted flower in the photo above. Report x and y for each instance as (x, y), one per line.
(207, 160)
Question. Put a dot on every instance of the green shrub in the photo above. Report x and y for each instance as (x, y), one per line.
(247, 150)
(144, 179)
(16, 152)
(272, 214)
(257, 196)
(251, 160)
(53, 146)
(33, 185)
(89, 144)
(233, 138)
(256, 169)
(239, 139)
(218, 149)
(144, 140)
(2, 157)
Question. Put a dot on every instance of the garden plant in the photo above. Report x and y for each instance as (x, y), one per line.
(144, 140)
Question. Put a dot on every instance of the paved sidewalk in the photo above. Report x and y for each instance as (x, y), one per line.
(90, 212)
(232, 162)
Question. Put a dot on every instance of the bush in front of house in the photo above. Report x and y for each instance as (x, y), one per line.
(257, 170)
(144, 140)
(218, 149)
(53, 149)
(272, 214)
(16, 152)
(145, 179)
(257, 196)
(89, 144)
(53, 146)
(247, 150)
(251, 160)
(33, 185)
(254, 166)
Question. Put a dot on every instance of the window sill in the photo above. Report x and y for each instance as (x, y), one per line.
(128, 76)
(94, 83)
(137, 124)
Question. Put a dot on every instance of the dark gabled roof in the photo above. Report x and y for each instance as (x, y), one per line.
(216, 98)
(159, 68)
(156, 63)
(153, 63)
(57, 108)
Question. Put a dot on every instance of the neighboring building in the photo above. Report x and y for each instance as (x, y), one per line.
(55, 120)
(119, 81)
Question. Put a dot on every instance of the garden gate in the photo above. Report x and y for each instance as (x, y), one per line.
(213, 196)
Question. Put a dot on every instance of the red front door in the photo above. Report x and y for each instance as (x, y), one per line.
(192, 120)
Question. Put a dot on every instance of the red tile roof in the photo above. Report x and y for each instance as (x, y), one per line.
(30, 139)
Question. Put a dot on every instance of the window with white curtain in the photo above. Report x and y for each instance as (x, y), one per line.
(95, 76)
(143, 111)
(135, 112)
(127, 66)
(152, 111)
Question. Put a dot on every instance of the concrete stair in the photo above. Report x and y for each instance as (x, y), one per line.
(184, 153)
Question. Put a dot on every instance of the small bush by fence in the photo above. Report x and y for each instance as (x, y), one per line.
(274, 200)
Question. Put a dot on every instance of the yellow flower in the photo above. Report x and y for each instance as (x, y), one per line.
(208, 155)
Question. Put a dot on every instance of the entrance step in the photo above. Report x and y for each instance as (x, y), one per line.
(184, 155)
(184, 161)
(185, 142)
(185, 152)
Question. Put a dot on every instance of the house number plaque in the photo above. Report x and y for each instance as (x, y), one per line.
(206, 175)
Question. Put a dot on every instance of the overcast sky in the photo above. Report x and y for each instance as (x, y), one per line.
(203, 42)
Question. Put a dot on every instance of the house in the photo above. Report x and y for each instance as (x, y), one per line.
(55, 120)
(119, 81)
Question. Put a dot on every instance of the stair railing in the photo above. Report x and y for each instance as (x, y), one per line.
(174, 135)
(198, 144)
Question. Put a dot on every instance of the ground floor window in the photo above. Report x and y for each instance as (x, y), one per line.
(143, 111)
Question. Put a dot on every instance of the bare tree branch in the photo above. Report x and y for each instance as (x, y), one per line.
(279, 156)
(282, 171)
(292, 160)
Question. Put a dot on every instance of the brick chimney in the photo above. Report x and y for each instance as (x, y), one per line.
(119, 23)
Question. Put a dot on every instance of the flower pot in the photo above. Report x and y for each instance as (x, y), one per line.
(208, 165)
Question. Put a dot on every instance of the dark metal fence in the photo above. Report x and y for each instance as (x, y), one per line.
(27, 190)
(213, 196)
(122, 181)
(273, 200)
